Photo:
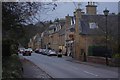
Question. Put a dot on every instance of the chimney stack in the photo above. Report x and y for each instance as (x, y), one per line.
(91, 8)
(78, 17)
(68, 21)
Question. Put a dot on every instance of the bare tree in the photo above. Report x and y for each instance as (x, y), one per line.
(16, 14)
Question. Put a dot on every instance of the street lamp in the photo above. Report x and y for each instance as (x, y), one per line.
(106, 12)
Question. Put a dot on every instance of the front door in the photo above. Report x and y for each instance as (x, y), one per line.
(83, 54)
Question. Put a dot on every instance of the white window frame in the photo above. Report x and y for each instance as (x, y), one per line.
(93, 25)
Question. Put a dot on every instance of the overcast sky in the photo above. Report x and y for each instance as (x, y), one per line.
(64, 8)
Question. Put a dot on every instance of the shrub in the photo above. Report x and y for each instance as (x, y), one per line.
(6, 48)
(90, 53)
(99, 51)
(116, 59)
(12, 67)
(9, 47)
(117, 55)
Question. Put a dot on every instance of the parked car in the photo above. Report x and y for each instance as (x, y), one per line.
(21, 50)
(36, 50)
(51, 53)
(30, 49)
(27, 52)
(41, 51)
(45, 51)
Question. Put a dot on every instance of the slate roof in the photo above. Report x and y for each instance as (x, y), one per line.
(85, 29)
(52, 27)
(100, 20)
(62, 31)
(112, 24)
(46, 33)
(56, 24)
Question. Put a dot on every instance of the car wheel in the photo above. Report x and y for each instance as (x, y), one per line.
(23, 54)
(59, 55)
(29, 54)
(49, 55)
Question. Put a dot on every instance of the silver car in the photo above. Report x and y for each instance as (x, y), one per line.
(51, 53)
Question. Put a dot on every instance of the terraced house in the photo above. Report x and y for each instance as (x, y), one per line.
(54, 36)
(35, 42)
(77, 35)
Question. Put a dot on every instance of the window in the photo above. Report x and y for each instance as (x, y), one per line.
(54, 29)
(60, 26)
(57, 28)
(72, 21)
(93, 25)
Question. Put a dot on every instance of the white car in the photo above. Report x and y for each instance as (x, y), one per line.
(21, 50)
(27, 52)
(52, 53)
(30, 49)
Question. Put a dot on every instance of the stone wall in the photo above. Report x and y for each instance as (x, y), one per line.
(98, 60)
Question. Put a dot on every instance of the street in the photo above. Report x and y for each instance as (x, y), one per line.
(62, 68)
(60, 39)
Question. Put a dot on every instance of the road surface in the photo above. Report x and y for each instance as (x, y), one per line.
(62, 68)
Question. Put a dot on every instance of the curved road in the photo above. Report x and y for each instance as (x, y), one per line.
(61, 68)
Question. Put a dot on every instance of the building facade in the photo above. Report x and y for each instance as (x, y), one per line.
(35, 42)
(75, 34)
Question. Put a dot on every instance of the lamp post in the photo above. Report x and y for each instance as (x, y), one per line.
(106, 12)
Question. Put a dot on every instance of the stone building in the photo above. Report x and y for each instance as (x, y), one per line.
(77, 33)
(54, 36)
(30, 44)
(89, 30)
(35, 42)
(44, 39)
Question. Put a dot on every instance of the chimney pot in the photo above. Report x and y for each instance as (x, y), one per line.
(93, 3)
(88, 3)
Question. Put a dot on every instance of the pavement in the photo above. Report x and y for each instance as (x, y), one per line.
(30, 70)
(67, 58)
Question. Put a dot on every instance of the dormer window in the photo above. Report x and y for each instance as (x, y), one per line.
(60, 26)
(72, 21)
(57, 28)
(93, 25)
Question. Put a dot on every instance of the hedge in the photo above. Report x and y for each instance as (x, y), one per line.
(9, 47)
(99, 51)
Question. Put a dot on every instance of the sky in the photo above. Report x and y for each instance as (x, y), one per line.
(65, 8)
